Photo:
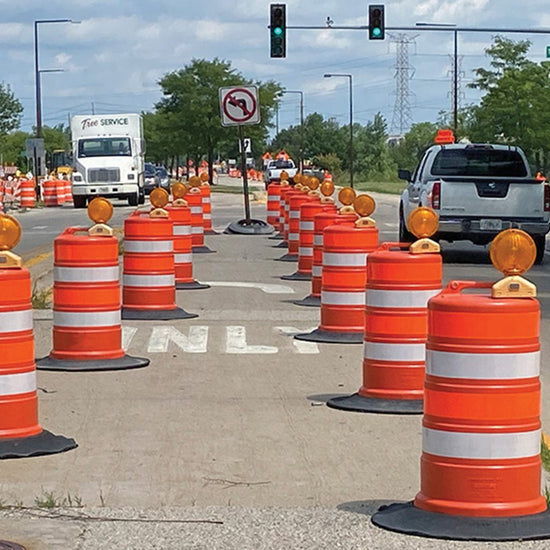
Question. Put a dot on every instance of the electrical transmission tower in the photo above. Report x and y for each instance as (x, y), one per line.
(402, 118)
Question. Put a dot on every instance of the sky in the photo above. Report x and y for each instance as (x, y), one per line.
(114, 58)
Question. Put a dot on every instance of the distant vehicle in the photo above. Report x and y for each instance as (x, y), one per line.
(164, 177)
(108, 155)
(477, 190)
(62, 163)
(275, 167)
(150, 178)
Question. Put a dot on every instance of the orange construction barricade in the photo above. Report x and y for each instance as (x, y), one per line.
(293, 238)
(480, 474)
(87, 331)
(273, 204)
(193, 197)
(20, 433)
(149, 280)
(285, 189)
(207, 208)
(344, 280)
(60, 192)
(28, 194)
(49, 192)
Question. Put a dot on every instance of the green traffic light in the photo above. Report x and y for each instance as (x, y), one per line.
(277, 31)
(376, 31)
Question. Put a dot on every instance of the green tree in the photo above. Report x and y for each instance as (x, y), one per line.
(10, 110)
(408, 152)
(12, 147)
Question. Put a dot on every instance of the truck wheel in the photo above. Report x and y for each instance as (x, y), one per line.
(133, 200)
(540, 243)
(141, 199)
(404, 235)
(79, 201)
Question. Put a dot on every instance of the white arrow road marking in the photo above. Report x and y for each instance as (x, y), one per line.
(196, 342)
(301, 347)
(265, 287)
(128, 334)
(236, 342)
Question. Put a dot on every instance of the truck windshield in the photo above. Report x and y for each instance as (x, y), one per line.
(479, 162)
(104, 147)
(282, 164)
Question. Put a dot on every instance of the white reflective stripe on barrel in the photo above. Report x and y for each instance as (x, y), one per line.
(274, 198)
(331, 298)
(196, 210)
(293, 236)
(396, 351)
(399, 298)
(307, 226)
(305, 251)
(207, 216)
(482, 366)
(14, 384)
(317, 271)
(183, 258)
(318, 240)
(197, 229)
(294, 214)
(86, 318)
(86, 274)
(182, 229)
(148, 280)
(15, 321)
(481, 445)
(345, 259)
(148, 246)
(281, 219)
(205, 200)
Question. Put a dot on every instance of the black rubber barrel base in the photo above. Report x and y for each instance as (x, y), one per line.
(407, 519)
(122, 363)
(297, 277)
(309, 301)
(282, 244)
(202, 250)
(288, 258)
(210, 232)
(359, 403)
(276, 237)
(330, 337)
(250, 227)
(44, 443)
(195, 285)
(156, 315)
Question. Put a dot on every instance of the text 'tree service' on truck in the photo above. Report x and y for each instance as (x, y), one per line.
(477, 190)
(108, 156)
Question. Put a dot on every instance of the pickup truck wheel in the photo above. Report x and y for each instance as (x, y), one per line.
(540, 243)
(404, 235)
(79, 201)
(133, 200)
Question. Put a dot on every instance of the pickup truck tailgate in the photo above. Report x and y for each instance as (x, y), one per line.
(475, 198)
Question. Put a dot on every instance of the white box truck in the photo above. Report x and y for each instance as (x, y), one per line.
(108, 158)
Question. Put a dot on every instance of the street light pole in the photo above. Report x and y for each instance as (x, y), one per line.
(348, 76)
(301, 159)
(37, 71)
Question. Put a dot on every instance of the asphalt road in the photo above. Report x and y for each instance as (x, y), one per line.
(224, 441)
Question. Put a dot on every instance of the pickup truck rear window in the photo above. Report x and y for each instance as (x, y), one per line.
(479, 162)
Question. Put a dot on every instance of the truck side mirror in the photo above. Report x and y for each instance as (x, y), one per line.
(404, 175)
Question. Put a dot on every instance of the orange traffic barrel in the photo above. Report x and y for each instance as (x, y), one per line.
(87, 331)
(49, 192)
(321, 221)
(399, 285)
(480, 475)
(273, 204)
(285, 189)
(180, 214)
(69, 192)
(60, 192)
(20, 433)
(293, 237)
(1, 196)
(28, 194)
(149, 278)
(343, 284)
(193, 197)
(308, 211)
(292, 192)
(207, 209)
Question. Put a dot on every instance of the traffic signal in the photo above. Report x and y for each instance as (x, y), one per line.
(376, 22)
(277, 29)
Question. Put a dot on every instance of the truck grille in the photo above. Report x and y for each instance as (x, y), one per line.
(103, 175)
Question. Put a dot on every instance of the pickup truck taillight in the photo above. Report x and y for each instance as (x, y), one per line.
(436, 195)
(547, 198)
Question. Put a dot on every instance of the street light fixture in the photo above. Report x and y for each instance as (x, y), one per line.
(37, 71)
(455, 65)
(348, 76)
(301, 159)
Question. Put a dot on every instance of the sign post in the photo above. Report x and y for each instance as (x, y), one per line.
(239, 106)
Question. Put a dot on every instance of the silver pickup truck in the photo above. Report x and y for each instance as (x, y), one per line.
(477, 190)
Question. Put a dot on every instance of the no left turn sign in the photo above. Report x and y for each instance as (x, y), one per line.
(239, 105)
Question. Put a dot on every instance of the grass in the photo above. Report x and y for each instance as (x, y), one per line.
(545, 456)
(391, 187)
(49, 500)
(41, 299)
(236, 190)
